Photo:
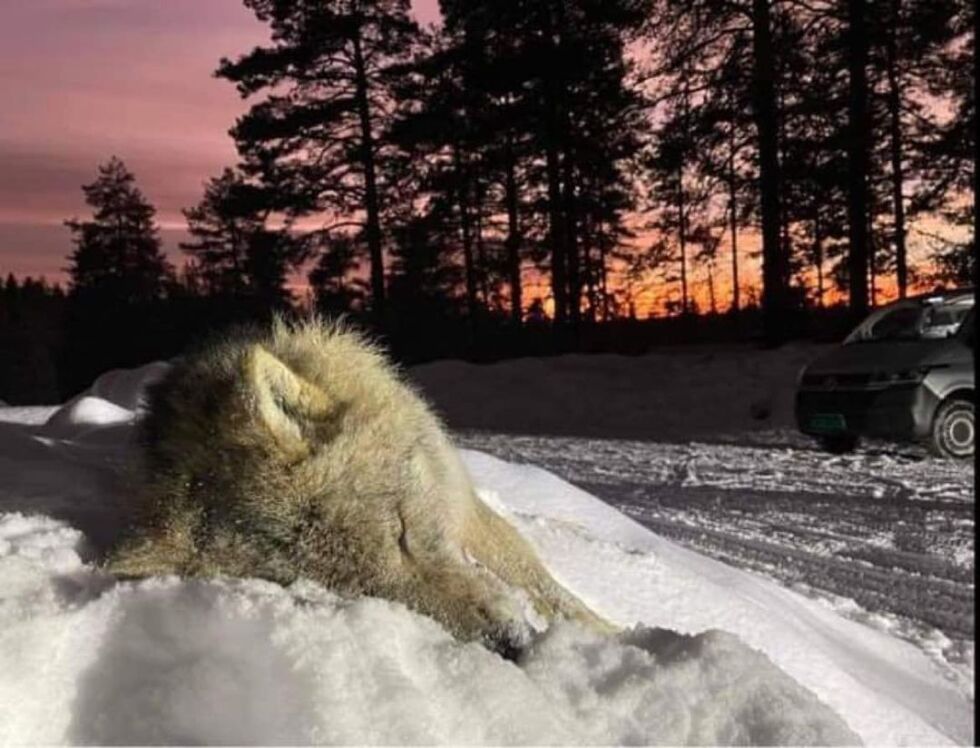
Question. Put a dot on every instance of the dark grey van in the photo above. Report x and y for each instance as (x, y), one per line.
(905, 373)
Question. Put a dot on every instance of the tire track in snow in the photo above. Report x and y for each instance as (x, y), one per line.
(941, 597)
(885, 535)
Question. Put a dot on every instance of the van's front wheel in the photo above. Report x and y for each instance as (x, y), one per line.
(953, 431)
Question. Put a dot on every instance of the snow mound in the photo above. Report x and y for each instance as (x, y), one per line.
(28, 415)
(127, 387)
(86, 660)
(725, 390)
(87, 411)
(116, 397)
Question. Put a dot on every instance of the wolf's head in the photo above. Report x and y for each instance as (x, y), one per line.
(300, 453)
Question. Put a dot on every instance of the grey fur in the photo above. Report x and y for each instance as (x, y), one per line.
(298, 452)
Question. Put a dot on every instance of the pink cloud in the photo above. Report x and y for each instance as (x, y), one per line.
(82, 80)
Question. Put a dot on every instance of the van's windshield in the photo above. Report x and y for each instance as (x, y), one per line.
(932, 318)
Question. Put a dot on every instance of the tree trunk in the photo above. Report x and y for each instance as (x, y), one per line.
(682, 238)
(858, 158)
(785, 239)
(681, 199)
(590, 278)
(586, 242)
(481, 255)
(556, 236)
(711, 289)
(733, 216)
(571, 244)
(818, 257)
(371, 202)
(872, 259)
(774, 266)
(513, 242)
(895, 128)
(555, 135)
(462, 199)
(603, 279)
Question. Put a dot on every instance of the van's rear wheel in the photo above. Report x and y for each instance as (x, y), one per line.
(839, 444)
(953, 431)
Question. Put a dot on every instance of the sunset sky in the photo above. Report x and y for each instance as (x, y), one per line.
(82, 80)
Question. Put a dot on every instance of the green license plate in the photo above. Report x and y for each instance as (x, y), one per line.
(828, 423)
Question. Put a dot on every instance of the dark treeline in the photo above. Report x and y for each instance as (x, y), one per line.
(513, 181)
(31, 318)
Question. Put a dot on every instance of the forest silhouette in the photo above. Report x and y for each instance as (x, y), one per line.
(414, 179)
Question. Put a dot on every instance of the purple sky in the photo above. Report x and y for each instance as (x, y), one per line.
(82, 80)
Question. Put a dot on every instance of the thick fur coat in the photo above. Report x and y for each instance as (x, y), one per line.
(299, 453)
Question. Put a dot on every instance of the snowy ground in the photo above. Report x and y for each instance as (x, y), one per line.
(84, 659)
(884, 536)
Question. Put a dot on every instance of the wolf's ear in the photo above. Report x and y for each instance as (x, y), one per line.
(288, 404)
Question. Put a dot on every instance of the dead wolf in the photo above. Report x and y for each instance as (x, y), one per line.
(298, 452)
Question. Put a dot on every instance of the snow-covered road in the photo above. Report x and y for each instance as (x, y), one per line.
(885, 535)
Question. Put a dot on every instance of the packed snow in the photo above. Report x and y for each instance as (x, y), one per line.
(689, 392)
(709, 654)
(886, 539)
(885, 535)
(244, 661)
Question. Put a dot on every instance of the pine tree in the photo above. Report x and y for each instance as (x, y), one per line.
(671, 160)
(425, 289)
(443, 126)
(336, 288)
(559, 73)
(851, 96)
(235, 251)
(117, 253)
(120, 281)
(858, 156)
(318, 134)
(703, 39)
(947, 156)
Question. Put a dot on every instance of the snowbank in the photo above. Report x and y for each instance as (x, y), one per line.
(29, 415)
(117, 397)
(725, 390)
(242, 662)
(84, 659)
